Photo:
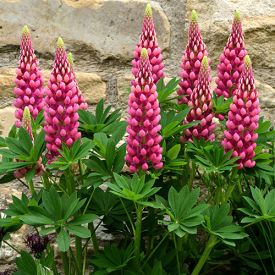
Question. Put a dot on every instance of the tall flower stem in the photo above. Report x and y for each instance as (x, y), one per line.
(177, 253)
(212, 241)
(31, 187)
(137, 236)
(65, 260)
(79, 256)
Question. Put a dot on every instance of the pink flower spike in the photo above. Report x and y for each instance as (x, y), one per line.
(240, 133)
(143, 146)
(231, 60)
(61, 119)
(148, 40)
(201, 107)
(191, 60)
(29, 90)
(81, 101)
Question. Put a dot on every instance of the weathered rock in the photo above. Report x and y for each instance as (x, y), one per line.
(107, 28)
(124, 86)
(7, 120)
(215, 18)
(267, 101)
(6, 82)
(91, 84)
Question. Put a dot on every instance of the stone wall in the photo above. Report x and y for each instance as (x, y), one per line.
(102, 35)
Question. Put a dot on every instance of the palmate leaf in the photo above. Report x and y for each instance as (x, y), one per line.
(20, 151)
(218, 222)
(265, 132)
(184, 211)
(210, 156)
(135, 189)
(220, 105)
(70, 156)
(113, 258)
(165, 91)
(108, 156)
(55, 212)
(103, 121)
(261, 206)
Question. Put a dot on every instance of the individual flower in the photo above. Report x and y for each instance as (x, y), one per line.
(39, 167)
(81, 100)
(243, 119)
(143, 141)
(231, 60)
(201, 107)
(29, 82)
(61, 118)
(148, 40)
(191, 60)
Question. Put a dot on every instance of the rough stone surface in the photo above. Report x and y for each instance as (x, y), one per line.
(101, 27)
(6, 120)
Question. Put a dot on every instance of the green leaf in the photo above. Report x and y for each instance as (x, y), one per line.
(63, 240)
(36, 219)
(83, 219)
(79, 231)
(173, 152)
(185, 214)
(26, 264)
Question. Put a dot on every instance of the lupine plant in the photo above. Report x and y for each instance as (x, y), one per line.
(170, 205)
(148, 40)
(191, 60)
(29, 90)
(231, 60)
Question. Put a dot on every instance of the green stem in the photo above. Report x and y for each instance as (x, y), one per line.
(81, 172)
(128, 215)
(88, 203)
(192, 174)
(75, 262)
(46, 181)
(93, 233)
(70, 181)
(94, 239)
(177, 253)
(84, 261)
(31, 186)
(212, 241)
(78, 246)
(65, 261)
(154, 250)
(137, 235)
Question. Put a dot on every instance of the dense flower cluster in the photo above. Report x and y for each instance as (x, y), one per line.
(81, 100)
(143, 142)
(243, 119)
(29, 82)
(61, 118)
(191, 60)
(231, 60)
(201, 107)
(148, 40)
